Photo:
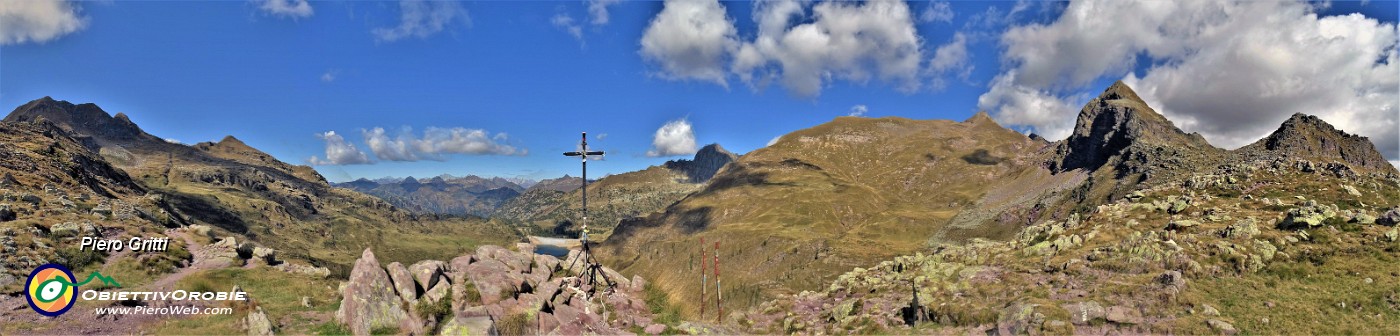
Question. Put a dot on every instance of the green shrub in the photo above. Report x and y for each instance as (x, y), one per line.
(438, 309)
(515, 324)
(330, 328)
(472, 295)
(75, 258)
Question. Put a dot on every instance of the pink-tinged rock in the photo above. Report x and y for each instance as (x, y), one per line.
(548, 262)
(475, 325)
(403, 282)
(655, 329)
(491, 279)
(1124, 315)
(427, 273)
(638, 284)
(547, 323)
(460, 263)
(368, 299)
(438, 293)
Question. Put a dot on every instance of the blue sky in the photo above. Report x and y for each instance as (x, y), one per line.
(279, 79)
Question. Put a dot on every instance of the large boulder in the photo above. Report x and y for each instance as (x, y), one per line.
(403, 282)
(492, 280)
(427, 272)
(368, 300)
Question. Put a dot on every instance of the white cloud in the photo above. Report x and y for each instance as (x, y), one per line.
(1395, 163)
(38, 21)
(855, 42)
(420, 18)
(774, 140)
(339, 151)
(951, 57)
(858, 111)
(1230, 70)
(690, 40)
(937, 11)
(436, 143)
(673, 138)
(174, 141)
(601, 136)
(1016, 105)
(566, 23)
(598, 10)
(287, 8)
(329, 76)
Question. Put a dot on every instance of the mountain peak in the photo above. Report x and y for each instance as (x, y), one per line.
(1309, 137)
(1112, 123)
(83, 119)
(708, 160)
(980, 118)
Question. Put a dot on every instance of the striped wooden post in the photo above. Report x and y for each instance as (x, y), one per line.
(704, 281)
(719, 295)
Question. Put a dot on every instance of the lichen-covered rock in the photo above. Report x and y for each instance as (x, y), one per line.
(257, 322)
(1307, 216)
(403, 281)
(427, 273)
(1123, 315)
(1224, 328)
(472, 325)
(65, 229)
(1083, 313)
(1242, 229)
(368, 300)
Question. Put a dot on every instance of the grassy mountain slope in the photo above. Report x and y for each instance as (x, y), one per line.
(827, 199)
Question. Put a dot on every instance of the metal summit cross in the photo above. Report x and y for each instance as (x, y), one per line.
(592, 269)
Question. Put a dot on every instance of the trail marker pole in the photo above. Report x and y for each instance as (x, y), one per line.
(719, 295)
(704, 282)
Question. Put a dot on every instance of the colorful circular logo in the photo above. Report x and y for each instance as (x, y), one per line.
(50, 290)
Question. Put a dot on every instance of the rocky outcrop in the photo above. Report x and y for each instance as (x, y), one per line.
(493, 290)
(707, 162)
(1120, 130)
(368, 300)
(1309, 137)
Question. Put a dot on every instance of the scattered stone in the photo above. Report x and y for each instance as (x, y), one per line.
(1390, 218)
(1123, 315)
(258, 324)
(1085, 312)
(6, 214)
(1393, 234)
(265, 254)
(65, 229)
(306, 301)
(1222, 327)
(1181, 224)
(655, 329)
(1207, 310)
(1351, 190)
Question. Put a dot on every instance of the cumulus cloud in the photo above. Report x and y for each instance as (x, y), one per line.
(436, 143)
(38, 21)
(286, 8)
(420, 18)
(937, 11)
(329, 76)
(567, 24)
(690, 40)
(598, 10)
(1230, 70)
(673, 138)
(174, 141)
(339, 152)
(774, 140)
(839, 40)
(858, 110)
(950, 58)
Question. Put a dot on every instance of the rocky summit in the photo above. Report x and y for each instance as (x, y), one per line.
(492, 291)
